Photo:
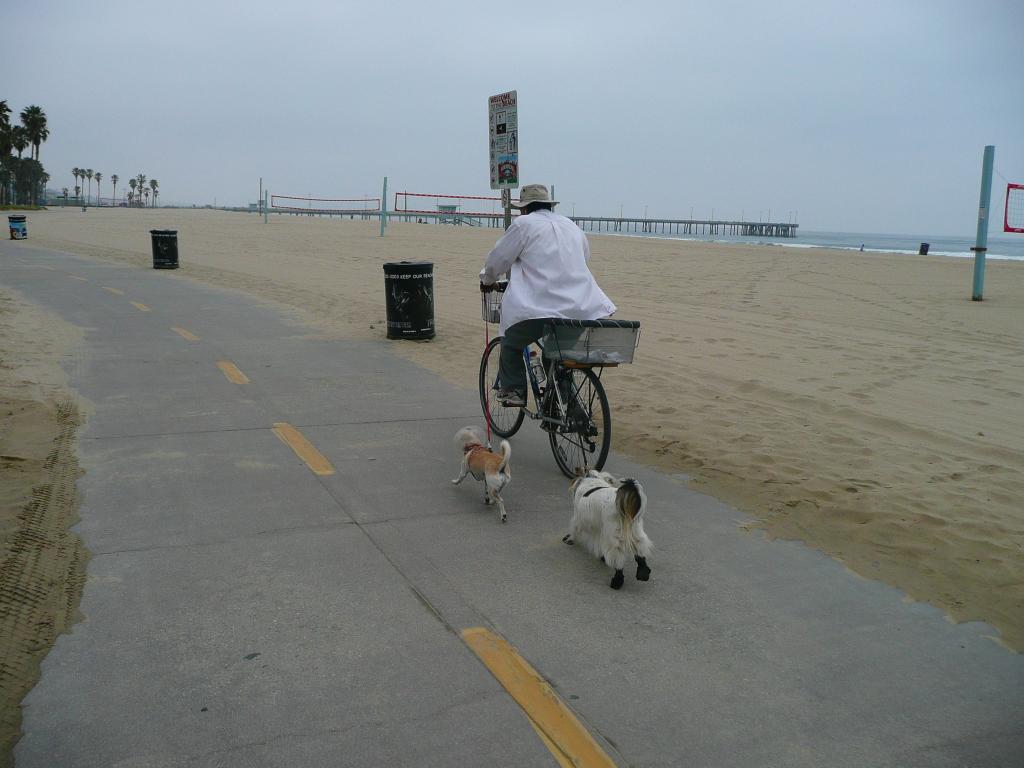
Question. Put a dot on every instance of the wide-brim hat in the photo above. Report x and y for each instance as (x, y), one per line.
(534, 193)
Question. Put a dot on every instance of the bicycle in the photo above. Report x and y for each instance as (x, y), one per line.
(574, 411)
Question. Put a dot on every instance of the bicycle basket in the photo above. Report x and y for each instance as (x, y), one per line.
(592, 342)
(490, 302)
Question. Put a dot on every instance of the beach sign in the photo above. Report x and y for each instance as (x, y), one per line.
(503, 139)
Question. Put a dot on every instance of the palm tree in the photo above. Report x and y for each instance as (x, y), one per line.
(133, 183)
(153, 184)
(5, 148)
(76, 172)
(115, 179)
(88, 175)
(145, 194)
(19, 139)
(156, 192)
(98, 176)
(140, 180)
(5, 129)
(34, 120)
(131, 197)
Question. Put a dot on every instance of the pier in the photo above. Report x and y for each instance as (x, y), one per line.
(586, 223)
(685, 226)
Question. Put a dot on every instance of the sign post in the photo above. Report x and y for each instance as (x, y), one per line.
(503, 138)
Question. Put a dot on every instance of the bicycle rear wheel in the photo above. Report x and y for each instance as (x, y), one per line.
(504, 422)
(587, 436)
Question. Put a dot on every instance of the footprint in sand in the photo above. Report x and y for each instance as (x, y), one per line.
(665, 411)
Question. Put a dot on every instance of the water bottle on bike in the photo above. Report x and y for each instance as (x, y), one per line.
(537, 369)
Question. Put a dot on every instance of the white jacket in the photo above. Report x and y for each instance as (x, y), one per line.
(546, 257)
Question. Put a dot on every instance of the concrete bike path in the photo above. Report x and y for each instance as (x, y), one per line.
(243, 610)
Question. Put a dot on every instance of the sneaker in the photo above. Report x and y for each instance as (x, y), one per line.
(510, 398)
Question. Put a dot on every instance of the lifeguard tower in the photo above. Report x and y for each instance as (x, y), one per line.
(449, 214)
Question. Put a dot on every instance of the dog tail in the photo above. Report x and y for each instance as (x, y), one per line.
(506, 454)
(630, 500)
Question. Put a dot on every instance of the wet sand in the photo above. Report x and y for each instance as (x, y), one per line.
(860, 403)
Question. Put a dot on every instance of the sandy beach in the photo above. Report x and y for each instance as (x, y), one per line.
(42, 563)
(859, 403)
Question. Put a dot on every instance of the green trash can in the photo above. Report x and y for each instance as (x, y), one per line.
(165, 248)
(19, 229)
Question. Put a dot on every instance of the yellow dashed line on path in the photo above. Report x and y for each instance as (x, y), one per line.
(141, 307)
(304, 449)
(561, 732)
(230, 370)
(184, 334)
(116, 291)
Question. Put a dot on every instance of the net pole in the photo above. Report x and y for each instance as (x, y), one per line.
(266, 202)
(981, 241)
(384, 207)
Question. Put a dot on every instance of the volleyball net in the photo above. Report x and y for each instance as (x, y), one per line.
(313, 205)
(476, 206)
(1013, 214)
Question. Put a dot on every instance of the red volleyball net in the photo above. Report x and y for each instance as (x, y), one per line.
(1013, 214)
(311, 205)
(476, 206)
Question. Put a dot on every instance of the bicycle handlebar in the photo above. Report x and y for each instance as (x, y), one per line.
(499, 286)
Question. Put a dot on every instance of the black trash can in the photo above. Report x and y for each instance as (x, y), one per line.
(923, 250)
(17, 226)
(165, 248)
(409, 295)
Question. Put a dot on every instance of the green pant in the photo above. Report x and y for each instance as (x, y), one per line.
(511, 370)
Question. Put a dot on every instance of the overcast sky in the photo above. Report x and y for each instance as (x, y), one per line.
(852, 116)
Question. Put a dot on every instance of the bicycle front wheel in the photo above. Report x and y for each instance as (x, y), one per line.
(504, 422)
(585, 435)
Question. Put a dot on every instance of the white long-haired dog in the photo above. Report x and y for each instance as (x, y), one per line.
(484, 465)
(607, 518)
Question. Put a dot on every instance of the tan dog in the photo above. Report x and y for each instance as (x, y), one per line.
(484, 465)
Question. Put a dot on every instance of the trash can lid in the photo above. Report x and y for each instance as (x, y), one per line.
(408, 264)
(163, 231)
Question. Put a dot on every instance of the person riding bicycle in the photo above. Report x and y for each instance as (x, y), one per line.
(546, 257)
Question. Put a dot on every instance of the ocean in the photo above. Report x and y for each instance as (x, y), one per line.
(1006, 247)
